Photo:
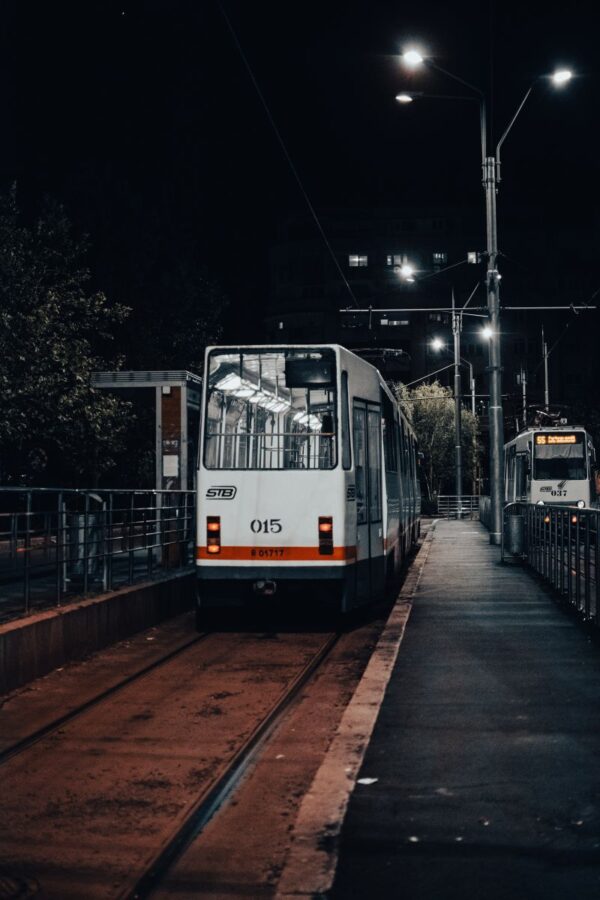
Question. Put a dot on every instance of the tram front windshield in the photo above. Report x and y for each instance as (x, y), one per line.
(559, 456)
(271, 409)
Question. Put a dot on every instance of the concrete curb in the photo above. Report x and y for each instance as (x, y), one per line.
(36, 645)
(311, 863)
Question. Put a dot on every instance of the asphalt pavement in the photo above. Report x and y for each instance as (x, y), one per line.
(482, 779)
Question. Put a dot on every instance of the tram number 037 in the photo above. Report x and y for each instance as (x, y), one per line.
(266, 526)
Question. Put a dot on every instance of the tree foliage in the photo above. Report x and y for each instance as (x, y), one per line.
(430, 409)
(53, 335)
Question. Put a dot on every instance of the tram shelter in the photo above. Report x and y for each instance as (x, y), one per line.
(177, 416)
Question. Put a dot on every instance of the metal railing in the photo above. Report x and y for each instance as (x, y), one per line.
(485, 511)
(562, 544)
(450, 505)
(60, 544)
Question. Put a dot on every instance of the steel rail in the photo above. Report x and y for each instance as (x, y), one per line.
(33, 738)
(209, 802)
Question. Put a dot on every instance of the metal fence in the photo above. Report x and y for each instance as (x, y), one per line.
(452, 506)
(60, 544)
(485, 511)
(562, 543)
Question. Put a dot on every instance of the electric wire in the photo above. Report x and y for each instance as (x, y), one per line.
(400, 287)
(565, 329)
(285, 152)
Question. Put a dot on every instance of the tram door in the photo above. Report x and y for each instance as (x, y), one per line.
(369, 525)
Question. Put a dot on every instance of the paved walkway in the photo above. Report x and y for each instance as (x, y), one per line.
(487, 747)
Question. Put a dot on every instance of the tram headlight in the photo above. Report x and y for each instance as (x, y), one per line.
(581, 504)
(540, 503)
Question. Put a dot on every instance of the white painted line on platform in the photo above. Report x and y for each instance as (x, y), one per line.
(310, 866)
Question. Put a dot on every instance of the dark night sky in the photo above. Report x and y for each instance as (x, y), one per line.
(138, 112)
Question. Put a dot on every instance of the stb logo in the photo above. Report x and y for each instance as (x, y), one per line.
(221, 492)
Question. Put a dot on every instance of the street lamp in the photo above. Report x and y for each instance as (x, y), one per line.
(491, 178)
(561, 76)
(412, 58)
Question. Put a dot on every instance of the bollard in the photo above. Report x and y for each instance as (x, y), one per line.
(515, 535)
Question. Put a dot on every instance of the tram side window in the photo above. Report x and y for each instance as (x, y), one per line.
(521, 476)
(402, 448)
(346, 456)
(389, 442)
(360, 463)
(374, 417)
(510, 473)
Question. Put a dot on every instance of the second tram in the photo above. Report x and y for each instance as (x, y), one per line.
(550, 465)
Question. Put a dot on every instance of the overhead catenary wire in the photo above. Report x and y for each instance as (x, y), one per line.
(400, 287)
(283, 146)
(568, 325)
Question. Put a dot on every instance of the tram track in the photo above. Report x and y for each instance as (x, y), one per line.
(123, 791)
(214, 795)
(50, 727)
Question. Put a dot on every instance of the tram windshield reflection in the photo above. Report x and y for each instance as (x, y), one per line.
(559, 456)
(271, 409)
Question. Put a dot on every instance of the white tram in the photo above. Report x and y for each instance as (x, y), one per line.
(550, 465)
(307, 474)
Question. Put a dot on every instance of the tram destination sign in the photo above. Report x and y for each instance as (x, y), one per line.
(545, 439)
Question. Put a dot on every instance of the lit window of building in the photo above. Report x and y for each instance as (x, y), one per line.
(398, 259)
(439, 259)
(356, 261)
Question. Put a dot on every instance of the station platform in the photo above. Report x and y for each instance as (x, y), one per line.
(485, 758)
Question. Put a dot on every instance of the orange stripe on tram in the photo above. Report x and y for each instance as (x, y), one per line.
(274, 554)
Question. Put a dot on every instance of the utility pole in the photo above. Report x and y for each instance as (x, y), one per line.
(546, 388)
(496, 423)
(456, 323)
(524, 390)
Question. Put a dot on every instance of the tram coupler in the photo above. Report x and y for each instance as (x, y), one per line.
(264, 588)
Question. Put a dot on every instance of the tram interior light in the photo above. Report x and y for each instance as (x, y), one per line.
(304, 418)
(244, 389)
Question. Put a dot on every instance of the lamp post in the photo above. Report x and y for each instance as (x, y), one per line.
(491, 178)
(438, 344)
(545, 356)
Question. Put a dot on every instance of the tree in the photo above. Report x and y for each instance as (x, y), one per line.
(430, 410)
(53, 335)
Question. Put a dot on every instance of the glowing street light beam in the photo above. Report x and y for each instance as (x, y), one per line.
(561, 76)
(412, 58)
